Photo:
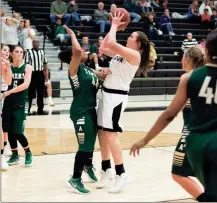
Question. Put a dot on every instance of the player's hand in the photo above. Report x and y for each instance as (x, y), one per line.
(106, 71)
(6, 94)
(68, 30)
(136, 146)
(116, 19)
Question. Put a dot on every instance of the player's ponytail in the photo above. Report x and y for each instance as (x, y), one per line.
(145, 48)
(211, 51)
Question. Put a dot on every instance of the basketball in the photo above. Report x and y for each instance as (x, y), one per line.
(125, 19)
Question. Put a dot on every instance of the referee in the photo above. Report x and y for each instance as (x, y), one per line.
(37, 59)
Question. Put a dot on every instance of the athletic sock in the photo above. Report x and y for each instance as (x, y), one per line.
(2, 151)
(5, 143)
(90, 159)
(15, 152)
(27, 150)
(201, 198)
(106, 164)
(119, 169)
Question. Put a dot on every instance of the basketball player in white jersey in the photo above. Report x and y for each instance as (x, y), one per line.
(6, 80)
(124, 64)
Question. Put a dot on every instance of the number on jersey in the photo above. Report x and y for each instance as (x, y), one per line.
(208, 92)
(15, 83)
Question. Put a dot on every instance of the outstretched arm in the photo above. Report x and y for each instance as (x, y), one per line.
(167, 116)
(104, 47)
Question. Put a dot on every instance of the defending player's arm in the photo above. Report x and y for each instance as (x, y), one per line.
(6, 71)
(76, 53)
(24, 85)
(132, 56)
(102, 74)
(167, 116)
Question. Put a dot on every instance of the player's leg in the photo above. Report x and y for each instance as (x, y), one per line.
(40, 91)
(7, 150)
(181, 169)
(31, 91)
(86, 140)
(106, 172)
(49, 93)
(19, 120)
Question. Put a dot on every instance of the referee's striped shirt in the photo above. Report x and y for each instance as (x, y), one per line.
(36, 58)
(186, 44)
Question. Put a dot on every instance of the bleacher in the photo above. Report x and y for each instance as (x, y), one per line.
(159, 82)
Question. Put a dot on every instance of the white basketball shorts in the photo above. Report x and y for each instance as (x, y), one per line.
(110, 109)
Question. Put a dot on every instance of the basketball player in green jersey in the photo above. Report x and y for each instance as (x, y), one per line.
(200, 86)
(15, 106)
(84, 85)
(181, 169)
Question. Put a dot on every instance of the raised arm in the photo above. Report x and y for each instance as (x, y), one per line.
(167, 116)
(132, 56)
(6, 71)
(104, 47)
(76, 53)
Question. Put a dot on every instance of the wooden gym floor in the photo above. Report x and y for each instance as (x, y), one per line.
(53, 143)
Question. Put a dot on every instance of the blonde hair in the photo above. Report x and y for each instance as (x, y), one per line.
(196, 56)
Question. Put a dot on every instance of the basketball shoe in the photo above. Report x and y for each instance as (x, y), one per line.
(89, 170)
(120, 183)
(4, 164)
(14, 159)
(28, 159)
(78, 186)
(105, 177)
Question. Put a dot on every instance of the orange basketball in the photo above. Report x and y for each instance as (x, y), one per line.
(125, 19)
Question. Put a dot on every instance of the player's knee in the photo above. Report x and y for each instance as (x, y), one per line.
(176, 178)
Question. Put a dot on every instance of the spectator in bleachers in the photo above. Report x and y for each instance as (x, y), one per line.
(92, 56)
(20, 33)
(193, 14)
(16, 16)
(205, 19)
(2, 13)
(204, 5)
(59, 10)
(60, 32)
(151, 28)
(189, 42)
(165, 22)
(102, 58)
(213, 19)
(9, 31)
(130, 6)
(144, 9)
(212, 5)
(28, 35)
(152, 3)
(73, 10)
(101, 17)
(113, 8)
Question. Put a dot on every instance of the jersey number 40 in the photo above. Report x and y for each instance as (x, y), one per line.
(208, 92)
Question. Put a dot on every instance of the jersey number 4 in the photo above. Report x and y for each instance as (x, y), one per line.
(208, 92)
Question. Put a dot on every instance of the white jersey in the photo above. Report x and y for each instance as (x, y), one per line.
(4, 86)
(122, 74)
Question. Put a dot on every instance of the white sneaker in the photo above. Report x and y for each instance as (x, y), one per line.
(50, 102)
(120, 183)
(34, 102)
(7, 150)
(105, 177)
(4, 164)
(160, 32)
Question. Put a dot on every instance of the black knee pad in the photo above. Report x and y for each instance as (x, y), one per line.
(22, 140)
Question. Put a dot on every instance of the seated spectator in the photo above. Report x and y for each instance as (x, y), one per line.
(151, 28)
(165, 22)
(204, 5)
(28, 35)
(59, 10)
(130, 6)
(205, 19)
(144, 9)
(16, 16)
(102, 58)
(60, 32)
(113, 8)
(101, 17)
(9, 31)
(213, 19)
(92, 56)
(189, 42)
(193, 14)
(73, 10)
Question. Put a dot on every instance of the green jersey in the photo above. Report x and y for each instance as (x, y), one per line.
(186, 113)
(202, 92)
(84, 87)
(18, 74)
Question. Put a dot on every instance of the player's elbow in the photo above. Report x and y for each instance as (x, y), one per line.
(77, 52)
(169, 115)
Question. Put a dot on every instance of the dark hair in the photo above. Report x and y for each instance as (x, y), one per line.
(211, 42)
(15, 46)
(145, 47)
(26, 20)
(196, 56)
(65, 55)
(85, 36)
(4, 45)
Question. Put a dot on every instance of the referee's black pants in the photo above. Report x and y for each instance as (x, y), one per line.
(37, 86)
